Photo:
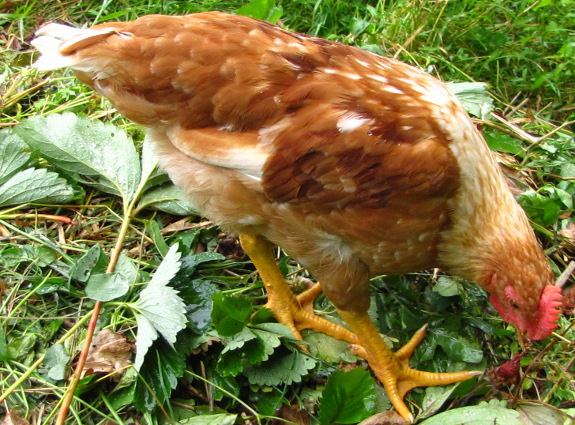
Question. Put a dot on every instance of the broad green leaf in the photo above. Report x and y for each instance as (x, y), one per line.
(456, 349)
(446, 286)
(230, 313)
(504, 143)
(541, 414)
(474, 97)
(490, 413)
(56, 362)
(328, 349)
(283, 367)
(95, 153)
(168, 198)
(434, 398)
(108, 286)
(160, 309)
(348, 397)
(12, 154)
(264, 10)
(35, 185)
(87, 264)
(158, 376)
(217, 419)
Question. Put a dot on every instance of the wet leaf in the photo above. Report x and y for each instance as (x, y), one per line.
(158, 376)
(56, 362)
(348, 397)
(12, 155)
(98, 154)
(160, 309)
(35, 185)
(494, 412)
(108, 286)
(230, 313)
(283, 367)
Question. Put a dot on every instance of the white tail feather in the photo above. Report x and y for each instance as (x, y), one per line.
(53, 39)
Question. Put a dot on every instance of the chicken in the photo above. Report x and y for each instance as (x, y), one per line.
(355, 164)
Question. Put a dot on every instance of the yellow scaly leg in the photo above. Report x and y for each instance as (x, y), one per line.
(392, 369)
(294, 312)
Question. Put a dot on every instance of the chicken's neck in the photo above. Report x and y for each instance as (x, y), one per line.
(490, 232)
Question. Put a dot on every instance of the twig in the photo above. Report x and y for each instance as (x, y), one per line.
(562, 280)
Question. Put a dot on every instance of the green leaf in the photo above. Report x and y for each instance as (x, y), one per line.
(541, 414)
(3, 345)
(12, 154)
(56, 361)
(87, 264)
(446, 287)
(283, 367)
(328, 349)
(35, 185)
(167, 198)
(230, 313)
(160, 309)
(108, 286)
(484, 414)
(504, 143)
(264, 10)
(457, 349)
(217, 419)
(98, 154)
(474, 97)
(348, 397)
(158, 376)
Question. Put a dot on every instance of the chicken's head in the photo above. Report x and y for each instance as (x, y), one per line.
(532, 313)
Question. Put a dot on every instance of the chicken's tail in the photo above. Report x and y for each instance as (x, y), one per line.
(57, 43)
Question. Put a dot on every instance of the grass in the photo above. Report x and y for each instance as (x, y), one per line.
(50, 253)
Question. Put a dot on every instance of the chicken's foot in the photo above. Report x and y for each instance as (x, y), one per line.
(296, 312)
(392, 369)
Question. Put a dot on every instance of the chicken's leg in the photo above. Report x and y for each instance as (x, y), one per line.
(294, 312)
(392, 369)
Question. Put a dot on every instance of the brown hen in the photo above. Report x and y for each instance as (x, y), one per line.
(355, 164)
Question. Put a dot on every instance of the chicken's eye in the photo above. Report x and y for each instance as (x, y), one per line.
(514, 305)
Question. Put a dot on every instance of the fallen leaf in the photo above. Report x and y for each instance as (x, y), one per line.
(14, 418)
(110, 353)
(390, 417)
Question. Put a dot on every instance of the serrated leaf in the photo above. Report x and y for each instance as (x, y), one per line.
(35, 185)
(230, 313)
(159, 306)
(328, 349)
(283, 367)
(458, 349)
(217, 419)
(484, 414)
(12, 154)
(167, 198)
(434, 398)
(446, 286)
(158, 376)
(474, 97)
(98, 154)
(348, 397)
(56, 361)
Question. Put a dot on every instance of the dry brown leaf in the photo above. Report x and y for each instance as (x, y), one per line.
(14, 418)
(293, 414)
(391, 417)
(110, 352)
